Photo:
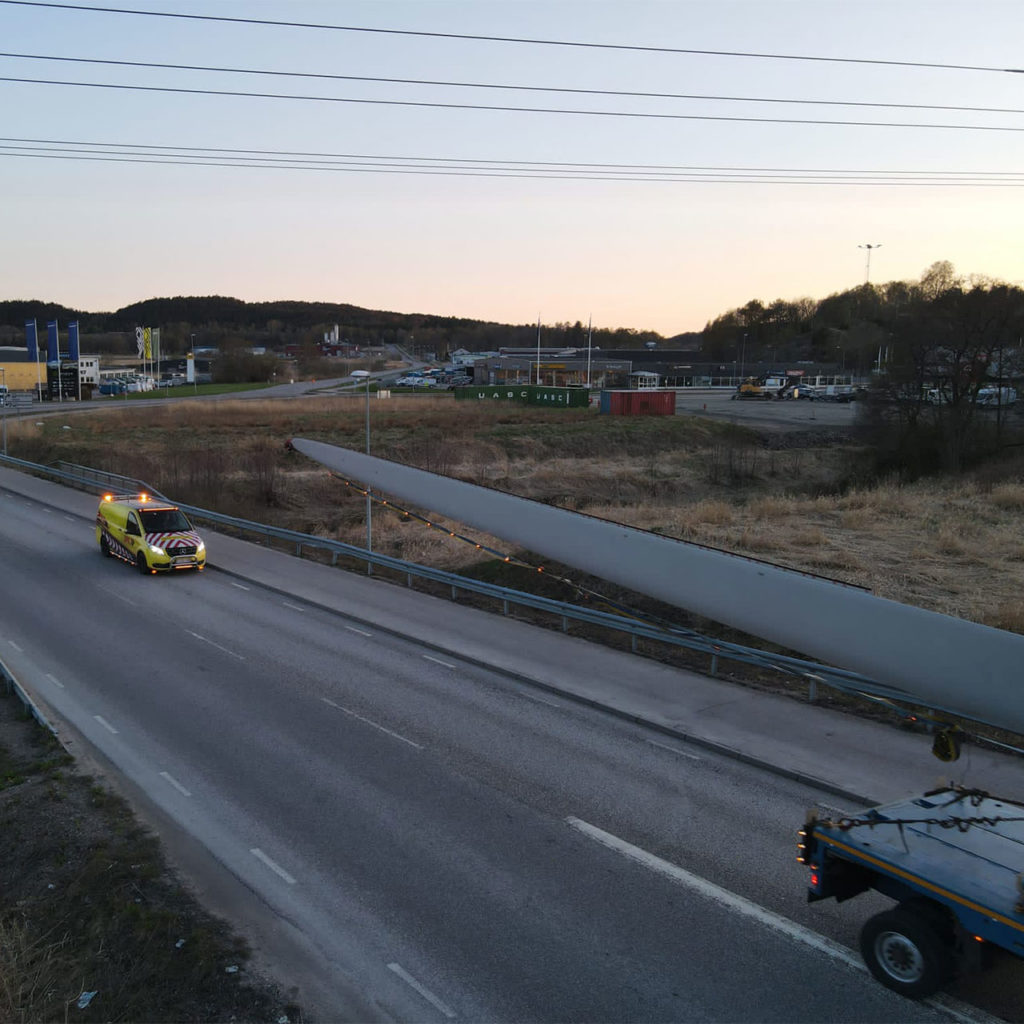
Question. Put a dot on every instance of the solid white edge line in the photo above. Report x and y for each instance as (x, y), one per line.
(423, 991)
(438, 661)
(106, 725)
(54, 680)
(953, 1007)
(276, 868)
(175, 783)
(361, 632)
(375, 725)
(673, 750)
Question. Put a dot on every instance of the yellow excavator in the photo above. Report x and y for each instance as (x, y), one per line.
(753, 387)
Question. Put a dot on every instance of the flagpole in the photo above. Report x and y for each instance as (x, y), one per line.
(538, 348)
(590, 337)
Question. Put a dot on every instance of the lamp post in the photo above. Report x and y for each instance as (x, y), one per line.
(867, 269)
(195, 379)
(364, 375)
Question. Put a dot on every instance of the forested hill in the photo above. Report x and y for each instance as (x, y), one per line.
(216, 318)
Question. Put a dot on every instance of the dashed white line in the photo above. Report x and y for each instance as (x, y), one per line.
(71, 519)
(213, 644)
(54, 680)
(14, 645)
(423, 990)
(674, 750)
(375, 725)
(106, 725)
(239, 585)
(294, 607)
(276, 868)
(361, 632)
(438, 661)
(175, 783)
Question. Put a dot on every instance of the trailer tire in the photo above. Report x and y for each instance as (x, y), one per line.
(104, 547)
(905, 953)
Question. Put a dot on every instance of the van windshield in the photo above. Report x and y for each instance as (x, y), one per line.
(164, 520)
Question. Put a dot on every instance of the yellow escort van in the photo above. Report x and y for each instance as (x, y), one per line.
(151, 535)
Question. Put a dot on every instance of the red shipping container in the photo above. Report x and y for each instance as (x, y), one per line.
(638, 403)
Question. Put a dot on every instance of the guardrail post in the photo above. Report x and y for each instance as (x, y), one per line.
(812, 690)
(504, 606)
(455, 592)
(408, 580)
(714, 664)
(632, 643)
(565, 623)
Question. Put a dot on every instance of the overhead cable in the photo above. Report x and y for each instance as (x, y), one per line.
(631, 94)
(437, 166)
(423, 104)
(510, 39)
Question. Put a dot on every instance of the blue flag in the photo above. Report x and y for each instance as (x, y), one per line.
(73, 341)
(52, 344)
(31, 340)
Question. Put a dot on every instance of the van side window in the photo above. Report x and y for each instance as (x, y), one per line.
(132, 525)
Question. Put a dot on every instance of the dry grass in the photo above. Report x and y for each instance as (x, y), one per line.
(952, 547)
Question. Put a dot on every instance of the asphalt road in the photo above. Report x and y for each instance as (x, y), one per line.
(770, 415)
(430, 840)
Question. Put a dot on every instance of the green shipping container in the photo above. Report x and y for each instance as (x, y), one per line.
(528, 394)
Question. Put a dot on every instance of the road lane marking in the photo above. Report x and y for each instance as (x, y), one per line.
(954, 1008)
(674, 750)
(541, 700)
(106, 725)
(115, 593)
(15, 646)
(724, 897)
(239, 585)
(55, 681)
(361, 632)
(422, 989)
(294, 607)
(375, 725)
(438, 661)
(175, 783)
(218, 646)
(71, 519)
(276, 868)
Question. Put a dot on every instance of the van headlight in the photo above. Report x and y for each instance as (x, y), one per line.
(156, 550)
(200, 548)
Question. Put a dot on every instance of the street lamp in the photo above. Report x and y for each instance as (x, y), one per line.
(195, 379)
(365, 376)
(867, 269)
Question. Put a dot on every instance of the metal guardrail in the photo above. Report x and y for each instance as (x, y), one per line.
(813, 673)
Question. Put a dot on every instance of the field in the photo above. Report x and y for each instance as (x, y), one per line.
(88, 903)
(799, 498)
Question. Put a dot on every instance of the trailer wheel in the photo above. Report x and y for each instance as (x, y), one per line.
(104, 547)
(905, 953)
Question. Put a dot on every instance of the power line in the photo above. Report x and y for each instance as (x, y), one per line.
(479, 160)
(285, 160)
(423, 104)
(511, 39)
(632, 94)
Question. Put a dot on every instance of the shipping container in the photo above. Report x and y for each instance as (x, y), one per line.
(527, 394)
(646, 402)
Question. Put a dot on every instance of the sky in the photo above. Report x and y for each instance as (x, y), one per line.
(653, 212)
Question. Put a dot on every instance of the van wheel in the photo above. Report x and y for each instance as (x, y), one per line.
(104, 547)
(140, 564)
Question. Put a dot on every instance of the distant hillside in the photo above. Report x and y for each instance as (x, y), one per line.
(221, 320)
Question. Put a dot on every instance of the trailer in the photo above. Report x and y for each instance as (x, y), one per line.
(952, 859)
